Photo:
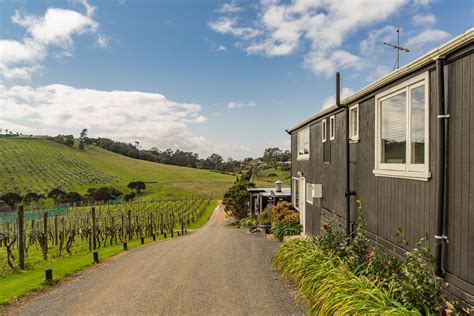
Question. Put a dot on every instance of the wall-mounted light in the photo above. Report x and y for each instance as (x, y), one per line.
(299, 174)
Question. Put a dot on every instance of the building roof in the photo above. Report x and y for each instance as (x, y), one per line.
(269, 191)
(459, 41)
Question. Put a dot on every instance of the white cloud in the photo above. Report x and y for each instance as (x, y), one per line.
(423, 19)
(327, 64)
(102, 40)
(373, 44)
(50, 34)
(229, 8)
(330, 101)
(281, 29)
(237, 105)
(149, 118)
(221, 48)
(227, 25)
(427, 37)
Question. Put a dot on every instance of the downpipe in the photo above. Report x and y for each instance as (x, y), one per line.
(348, 191)
(442, 171)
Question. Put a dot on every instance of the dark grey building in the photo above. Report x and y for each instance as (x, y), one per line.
(262, 197)
(410, 139)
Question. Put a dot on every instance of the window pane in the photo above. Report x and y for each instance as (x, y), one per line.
(354, 123)
(296, 192)
(393, 129)
(418, 125)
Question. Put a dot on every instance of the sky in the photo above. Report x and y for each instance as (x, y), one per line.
(203, 76)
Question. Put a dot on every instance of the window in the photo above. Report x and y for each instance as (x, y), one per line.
(303, 143)
(332, 127)
(295, 196)
(401, 140)
(324, 130)
(309, 192)
(354, 123)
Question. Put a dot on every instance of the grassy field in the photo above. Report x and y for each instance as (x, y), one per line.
(19, 283)
(266, 179)
(40, 165)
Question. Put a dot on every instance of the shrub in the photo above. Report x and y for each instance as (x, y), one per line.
(281, 210)
(249, 222)
(329, 285)
(236, 198)
(264, 217)
(412, 283)
(280, 229)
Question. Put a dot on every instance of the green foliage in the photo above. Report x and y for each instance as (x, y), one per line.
(284, 210)
(412, 282)
(264, 217)
(416, 283)
(237, 197)
(280, 229)
(137, 186)
(249, 222)
(329, 285)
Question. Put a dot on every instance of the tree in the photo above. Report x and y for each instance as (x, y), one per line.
(129, 197)
(68, 140)
(137, 186)
(82, 139)
(56, 194)
(32, 197)
(71, 198)
(215, 160)
(11, 198)
(237, 197)
(103, 194)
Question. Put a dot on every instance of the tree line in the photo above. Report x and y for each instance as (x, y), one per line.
(60, 197)
(272, 157)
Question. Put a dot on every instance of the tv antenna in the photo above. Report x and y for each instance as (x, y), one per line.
(398, 48)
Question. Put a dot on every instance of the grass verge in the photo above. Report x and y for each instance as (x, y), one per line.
(205, 216)
(20, 283)
(328, 284)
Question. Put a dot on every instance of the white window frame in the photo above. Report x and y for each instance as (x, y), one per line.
(309, 189)
(406, 170)
(324, 130)
(332, 127)
(298, 139)
(354, 137)
(293, 193)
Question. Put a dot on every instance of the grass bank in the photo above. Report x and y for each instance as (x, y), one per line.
(19, 283)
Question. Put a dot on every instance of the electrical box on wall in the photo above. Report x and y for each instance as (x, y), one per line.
(318, 191)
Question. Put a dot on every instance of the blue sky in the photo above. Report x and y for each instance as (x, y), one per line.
(207, 76)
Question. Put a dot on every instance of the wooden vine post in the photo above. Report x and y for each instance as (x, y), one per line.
(56, 230)
(94, 230)
(21, 237)
(129, 228)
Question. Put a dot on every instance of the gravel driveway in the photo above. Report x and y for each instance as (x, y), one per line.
(216, 270)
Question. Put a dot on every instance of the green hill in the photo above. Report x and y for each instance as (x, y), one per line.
(39, 165)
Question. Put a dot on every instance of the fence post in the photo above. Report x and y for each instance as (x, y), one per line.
(56, 230)
(21, 237)
(94, 230)
(129, 228)
(45, 231)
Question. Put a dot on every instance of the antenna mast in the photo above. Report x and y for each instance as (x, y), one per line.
(398, 48)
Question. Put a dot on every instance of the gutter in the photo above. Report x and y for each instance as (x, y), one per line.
(348, 192)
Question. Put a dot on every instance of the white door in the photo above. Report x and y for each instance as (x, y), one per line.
(302, 203)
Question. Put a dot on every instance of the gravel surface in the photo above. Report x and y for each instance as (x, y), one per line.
(216, 270)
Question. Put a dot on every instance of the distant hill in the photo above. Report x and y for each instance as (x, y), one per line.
(39, 165)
